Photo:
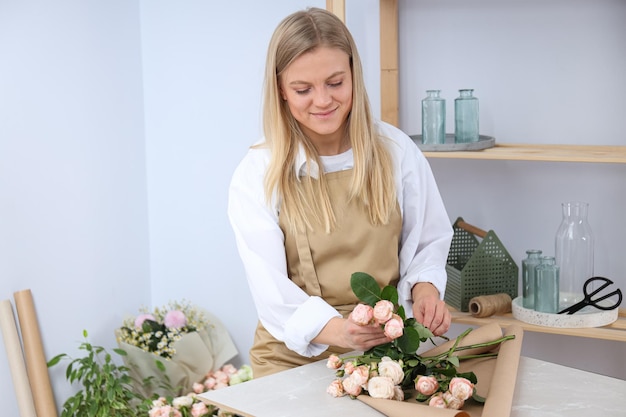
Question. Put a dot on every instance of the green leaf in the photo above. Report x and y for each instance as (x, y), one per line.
(478, 398)
(424, 332)
(390, 293)
(454, 360)
(409, 342)
(56, 360)
(160, 365)
(365, 288)
(120, 352)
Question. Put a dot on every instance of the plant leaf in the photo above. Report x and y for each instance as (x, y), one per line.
(409, 342)
(365, 288)
(390, 293)
(160, 365)
(478, 398)
(55, 360)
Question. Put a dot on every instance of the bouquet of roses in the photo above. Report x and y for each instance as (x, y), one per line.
(171, 347)
(395, 369)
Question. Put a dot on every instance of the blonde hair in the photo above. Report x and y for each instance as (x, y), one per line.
(372, 180)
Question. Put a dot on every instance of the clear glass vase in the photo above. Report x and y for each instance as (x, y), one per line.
(529, 266)
(547, 286)
(466, 117)
(433, 118)
(574, 251)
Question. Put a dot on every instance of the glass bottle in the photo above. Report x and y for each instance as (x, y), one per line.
(466, 117)
(547, 285)
(574, 251)
(528, 277)
(433, 118)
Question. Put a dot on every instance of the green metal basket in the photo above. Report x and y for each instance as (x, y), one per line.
(478, 267)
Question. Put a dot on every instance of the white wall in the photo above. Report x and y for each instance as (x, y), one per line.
(73, 204)
(102, 212)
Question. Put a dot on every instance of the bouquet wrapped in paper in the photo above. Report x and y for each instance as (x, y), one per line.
(171, 348)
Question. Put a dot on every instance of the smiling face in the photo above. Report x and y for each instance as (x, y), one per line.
(317, 87)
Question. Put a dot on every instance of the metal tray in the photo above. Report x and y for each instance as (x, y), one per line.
(484, 142)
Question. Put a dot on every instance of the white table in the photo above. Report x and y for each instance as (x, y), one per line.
(543, 389)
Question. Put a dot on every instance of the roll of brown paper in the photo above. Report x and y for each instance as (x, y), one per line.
(15, 356)
(36, 364)
(488, 305)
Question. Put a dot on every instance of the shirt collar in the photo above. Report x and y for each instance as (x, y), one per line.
(301, 164)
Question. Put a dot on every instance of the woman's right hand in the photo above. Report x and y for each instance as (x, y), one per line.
(347, 334)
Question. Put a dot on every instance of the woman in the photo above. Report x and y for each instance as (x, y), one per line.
(326, 193)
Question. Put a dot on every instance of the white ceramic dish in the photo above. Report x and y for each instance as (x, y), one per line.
(587, 317)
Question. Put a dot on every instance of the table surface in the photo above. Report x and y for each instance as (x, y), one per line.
(543, 389)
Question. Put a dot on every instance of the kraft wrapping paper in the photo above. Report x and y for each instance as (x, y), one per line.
(197, 353)
(15, 356)
(36, 365)
(496, 378)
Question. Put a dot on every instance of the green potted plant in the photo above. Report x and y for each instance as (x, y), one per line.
(107, 389)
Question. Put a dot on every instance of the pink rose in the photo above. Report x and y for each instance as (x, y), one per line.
(210, 383)
(334, 362)
(175, 319)
(229, 369)
(352, 385)
(461, 388)
(426, 385)
(452, 402)
(159, 402)
(198, 388)
(221, 377)
(381, 387)
(437, 401)
(362, 314)
(394, 328)
(220, 385)
(165, 411)
(336, 389)
(199, 410)
(361, 374)
(349, 367)
(383, 310)
(141, 318)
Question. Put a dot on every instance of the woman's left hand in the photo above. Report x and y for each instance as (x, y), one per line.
(429, 309)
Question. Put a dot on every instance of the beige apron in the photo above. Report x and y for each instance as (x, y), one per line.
(322, 264)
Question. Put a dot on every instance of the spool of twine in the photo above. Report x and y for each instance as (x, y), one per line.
(488, 305)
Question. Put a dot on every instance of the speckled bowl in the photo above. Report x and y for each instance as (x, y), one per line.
(587, 317)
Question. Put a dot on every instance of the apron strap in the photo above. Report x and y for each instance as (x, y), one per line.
(307, 272)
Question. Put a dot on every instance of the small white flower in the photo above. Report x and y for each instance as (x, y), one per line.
(182, 402)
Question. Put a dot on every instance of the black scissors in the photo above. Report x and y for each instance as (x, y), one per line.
(588, 301)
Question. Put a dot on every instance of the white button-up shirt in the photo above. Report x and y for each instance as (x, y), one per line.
(284, 309)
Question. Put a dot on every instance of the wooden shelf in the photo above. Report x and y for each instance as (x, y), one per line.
(615, 331)
(554, 153)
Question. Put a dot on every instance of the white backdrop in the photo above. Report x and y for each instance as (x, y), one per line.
(121, 122)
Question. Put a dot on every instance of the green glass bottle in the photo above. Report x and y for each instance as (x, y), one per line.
(433, 118)
(529, 266)
(466, 117)
(547, 286)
